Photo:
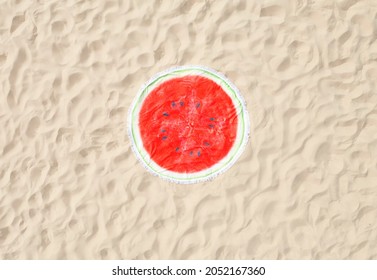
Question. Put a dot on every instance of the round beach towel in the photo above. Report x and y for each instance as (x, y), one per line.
(188, 124)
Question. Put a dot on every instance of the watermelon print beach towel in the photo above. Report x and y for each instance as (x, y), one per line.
(188, 124)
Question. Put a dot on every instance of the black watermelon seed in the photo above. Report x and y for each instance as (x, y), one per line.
(163, 130)
(197, 105)
(206, 144)
(198, 153)
(164, 137)
(181, 103)
(173, 104)
(177, 149)
(211, 119)
(165, 114)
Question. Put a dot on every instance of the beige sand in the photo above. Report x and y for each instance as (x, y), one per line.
(70, 186)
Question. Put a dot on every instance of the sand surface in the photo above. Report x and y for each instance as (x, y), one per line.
(71, 187)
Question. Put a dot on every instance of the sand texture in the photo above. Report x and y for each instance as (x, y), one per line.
(71, 187)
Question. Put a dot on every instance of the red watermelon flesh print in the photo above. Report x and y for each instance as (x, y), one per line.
(188, 124)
